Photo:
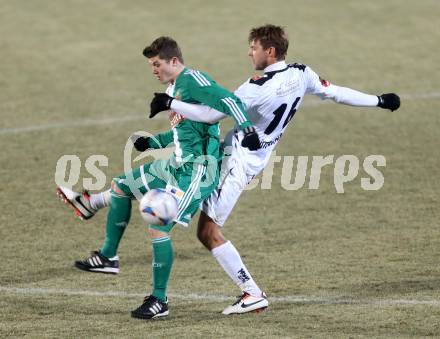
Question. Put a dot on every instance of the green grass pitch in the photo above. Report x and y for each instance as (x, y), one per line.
(363, 264)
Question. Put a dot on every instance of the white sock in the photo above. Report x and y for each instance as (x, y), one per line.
(229, 259)
(100, 200)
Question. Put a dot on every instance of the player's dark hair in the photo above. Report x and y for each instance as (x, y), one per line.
(271, 36)
(165, 48)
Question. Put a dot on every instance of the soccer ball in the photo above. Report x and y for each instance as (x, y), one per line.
(158, 207)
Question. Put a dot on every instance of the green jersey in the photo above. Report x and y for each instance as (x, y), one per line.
(196, 87)
(196, 139)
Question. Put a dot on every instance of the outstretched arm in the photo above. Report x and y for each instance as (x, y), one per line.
(348, 96)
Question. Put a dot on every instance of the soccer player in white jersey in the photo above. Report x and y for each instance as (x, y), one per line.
(271, 101)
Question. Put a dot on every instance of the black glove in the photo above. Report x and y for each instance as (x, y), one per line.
(161, 102)
(140, 143)
(251, 139)
(389, 101)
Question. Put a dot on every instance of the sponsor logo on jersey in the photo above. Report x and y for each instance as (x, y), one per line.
(324, 82)
(287, 87)
(266, 144)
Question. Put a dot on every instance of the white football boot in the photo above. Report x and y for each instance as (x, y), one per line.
(247, 303)
(80, 202)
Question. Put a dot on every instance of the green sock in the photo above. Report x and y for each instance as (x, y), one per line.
(117, 219)
(163, 257)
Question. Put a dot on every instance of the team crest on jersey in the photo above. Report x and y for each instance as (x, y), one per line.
(175, 118)
(324, 82)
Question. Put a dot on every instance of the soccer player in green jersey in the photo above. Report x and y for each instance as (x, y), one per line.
(191, 173)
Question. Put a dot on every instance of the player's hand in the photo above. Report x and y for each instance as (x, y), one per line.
(140, 143)
(161, 102)
(251, 139)
(389, 101)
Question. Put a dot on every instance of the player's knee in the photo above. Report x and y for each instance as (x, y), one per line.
(203, 227)
(209, 233)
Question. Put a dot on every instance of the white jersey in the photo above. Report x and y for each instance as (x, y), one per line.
(271, 101)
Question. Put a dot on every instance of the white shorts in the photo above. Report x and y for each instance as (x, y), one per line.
(235, 175)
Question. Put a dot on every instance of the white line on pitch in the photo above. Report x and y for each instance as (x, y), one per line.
(86, 122)
(291, 299)
(109, 120)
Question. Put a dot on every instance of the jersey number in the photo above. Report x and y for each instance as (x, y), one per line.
(278, 113)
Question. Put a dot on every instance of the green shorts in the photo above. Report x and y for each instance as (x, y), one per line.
(190, 183)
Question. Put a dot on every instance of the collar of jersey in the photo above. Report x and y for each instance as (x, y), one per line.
(276, 66)
(185, 69)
